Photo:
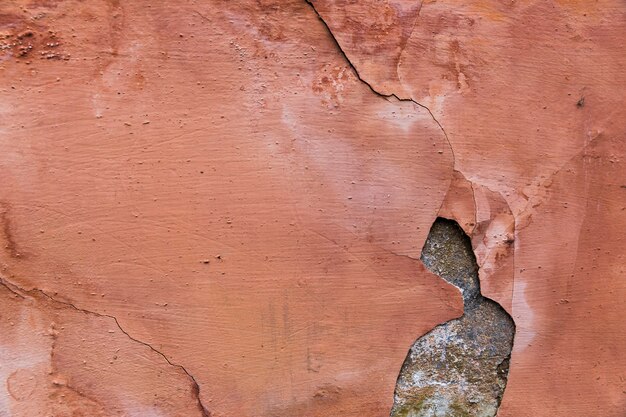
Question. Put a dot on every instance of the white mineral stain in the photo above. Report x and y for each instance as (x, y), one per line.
(524, 317)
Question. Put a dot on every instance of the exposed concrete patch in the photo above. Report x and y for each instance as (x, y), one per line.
(460, 368)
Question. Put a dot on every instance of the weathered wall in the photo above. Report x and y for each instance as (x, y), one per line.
(218, 208)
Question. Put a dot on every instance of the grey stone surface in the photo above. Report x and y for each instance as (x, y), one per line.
(460, 368)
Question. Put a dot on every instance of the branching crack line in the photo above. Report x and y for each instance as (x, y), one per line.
(406, 41)
(372, 89)
(18, 291)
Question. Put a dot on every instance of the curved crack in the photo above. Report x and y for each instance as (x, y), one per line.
(460, 368)
(372, 89)
(18, 291)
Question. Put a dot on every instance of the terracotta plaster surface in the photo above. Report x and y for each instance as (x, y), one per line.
(531, 96)
(217, 208)
(73, 362)
(217, 179)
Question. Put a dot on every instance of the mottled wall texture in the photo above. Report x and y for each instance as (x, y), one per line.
(218, 207)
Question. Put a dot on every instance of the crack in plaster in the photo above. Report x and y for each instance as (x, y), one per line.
(18, 291)
(439, 392)
(406, 42)
(373, 90)
(471, 183)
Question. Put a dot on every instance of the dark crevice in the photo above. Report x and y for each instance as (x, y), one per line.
(21, 292)
(460, 368)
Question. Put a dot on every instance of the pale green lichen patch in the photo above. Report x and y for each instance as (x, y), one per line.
(460, 368)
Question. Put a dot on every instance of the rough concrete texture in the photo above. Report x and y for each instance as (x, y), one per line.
(235, 194)
(460, 368)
